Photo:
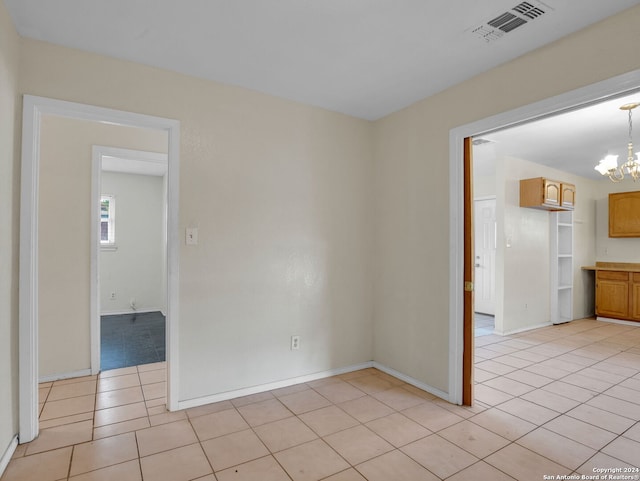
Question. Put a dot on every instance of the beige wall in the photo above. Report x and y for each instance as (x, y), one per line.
(64, 231)
(9, 228)
(411, 310)
(280, 193)
(285, 199)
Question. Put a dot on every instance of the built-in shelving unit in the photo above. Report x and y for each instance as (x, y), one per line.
(561, 250)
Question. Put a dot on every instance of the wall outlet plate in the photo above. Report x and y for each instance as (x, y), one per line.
(295, 343)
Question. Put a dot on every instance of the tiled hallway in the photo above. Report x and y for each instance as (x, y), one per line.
(559, 400)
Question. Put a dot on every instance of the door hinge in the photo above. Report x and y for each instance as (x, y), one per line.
(468, 286)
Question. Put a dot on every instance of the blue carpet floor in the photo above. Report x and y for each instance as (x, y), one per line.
(131, 339)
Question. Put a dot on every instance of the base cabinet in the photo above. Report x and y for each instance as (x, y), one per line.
(618, 295)
(635, 297)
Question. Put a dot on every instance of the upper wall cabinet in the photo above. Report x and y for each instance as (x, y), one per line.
(624, 214)
(547, 194)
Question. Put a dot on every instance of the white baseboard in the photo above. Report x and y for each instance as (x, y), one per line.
(131, 311)
(191, 403)
(8, 453)
(65, 375)
(412, 381)
(618, 321)
(523, 329)
(224, 396)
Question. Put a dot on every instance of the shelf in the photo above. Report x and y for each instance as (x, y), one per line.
(561, 266)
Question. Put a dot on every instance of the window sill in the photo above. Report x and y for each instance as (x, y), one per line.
(108, 247)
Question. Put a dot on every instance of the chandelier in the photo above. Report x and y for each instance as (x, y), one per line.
(609, 165)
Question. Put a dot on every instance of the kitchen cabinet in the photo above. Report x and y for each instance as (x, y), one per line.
(618, 292)
(547, 194)
(612, 294)
(624, 214)
(634, 287)
(567, 195)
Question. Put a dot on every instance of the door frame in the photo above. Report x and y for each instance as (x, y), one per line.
(33, 109)
(570, 100)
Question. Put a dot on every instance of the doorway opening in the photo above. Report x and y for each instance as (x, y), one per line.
(35, 109)
(462, 306)
(131, 280)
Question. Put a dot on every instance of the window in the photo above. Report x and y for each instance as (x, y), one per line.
(107, 221)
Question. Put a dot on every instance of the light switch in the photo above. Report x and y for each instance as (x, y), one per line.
(191, 236)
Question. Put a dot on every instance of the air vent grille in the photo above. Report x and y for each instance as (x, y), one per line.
(481, 141)
(508, 21)
(528, 10)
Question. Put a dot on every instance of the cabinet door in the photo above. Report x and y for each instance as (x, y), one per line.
(551, 192)
(568, 195)
(624, 214)
(612, 294)
(634, 304)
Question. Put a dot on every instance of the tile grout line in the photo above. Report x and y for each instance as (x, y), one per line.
(605, 339)
(538, 426)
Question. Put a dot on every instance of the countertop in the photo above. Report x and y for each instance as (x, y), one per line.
(613, 266)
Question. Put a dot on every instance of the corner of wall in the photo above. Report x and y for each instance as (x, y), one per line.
(10, 116)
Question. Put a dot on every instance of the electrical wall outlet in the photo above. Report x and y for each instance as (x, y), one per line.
(295, 343)
(112, 296)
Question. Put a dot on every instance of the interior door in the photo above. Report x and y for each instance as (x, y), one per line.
(485, 256)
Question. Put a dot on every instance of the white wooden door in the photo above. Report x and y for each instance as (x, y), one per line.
(485, 255)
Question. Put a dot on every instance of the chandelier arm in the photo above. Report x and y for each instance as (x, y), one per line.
(616, 175)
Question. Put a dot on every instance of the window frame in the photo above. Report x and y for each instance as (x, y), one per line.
(110, 243)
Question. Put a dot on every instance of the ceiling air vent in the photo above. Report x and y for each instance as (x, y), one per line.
(508, 21)
(481, 141)
(528, 10)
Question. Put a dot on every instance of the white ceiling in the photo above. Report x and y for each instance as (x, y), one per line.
(366, 58)
(572, 141)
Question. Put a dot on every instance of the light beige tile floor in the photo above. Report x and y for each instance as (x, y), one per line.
(558, 400)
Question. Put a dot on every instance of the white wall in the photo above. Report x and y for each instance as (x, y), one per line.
(281, 194)
(134, 270)
(411, 302)
(524, 243)
(613, 249)
(64, 234)
(484, 170)
(9, 218)
(484, 186)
